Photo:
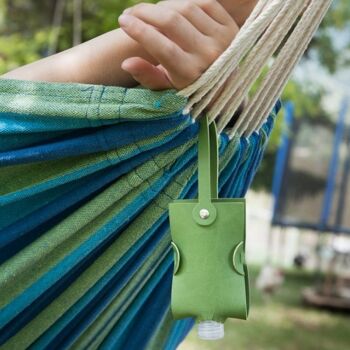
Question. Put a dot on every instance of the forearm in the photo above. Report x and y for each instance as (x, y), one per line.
(97, 61)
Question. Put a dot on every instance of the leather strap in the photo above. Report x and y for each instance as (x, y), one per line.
(207, 170)
(214, 160)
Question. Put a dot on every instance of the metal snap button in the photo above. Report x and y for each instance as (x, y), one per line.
(204, 214)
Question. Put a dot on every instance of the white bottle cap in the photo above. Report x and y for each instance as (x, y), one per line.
(210, 330)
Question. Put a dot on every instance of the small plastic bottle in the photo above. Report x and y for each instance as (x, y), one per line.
(211, 330)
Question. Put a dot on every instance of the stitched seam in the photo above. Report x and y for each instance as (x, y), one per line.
(122, 102)
(154, 200)
(157, 166)
(140, 149)
(102, 131)
(155, 163)
(76, 98)
(88, 108)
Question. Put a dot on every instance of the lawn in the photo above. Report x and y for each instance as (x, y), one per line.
(281, 322)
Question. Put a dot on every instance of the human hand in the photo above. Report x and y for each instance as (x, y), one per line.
(184, 36)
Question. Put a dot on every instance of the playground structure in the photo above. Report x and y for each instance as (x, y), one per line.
(311, 191)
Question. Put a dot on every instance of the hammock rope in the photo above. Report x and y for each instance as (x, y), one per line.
(297, 44)
(255, 63)
(229, 60)
(241, 65)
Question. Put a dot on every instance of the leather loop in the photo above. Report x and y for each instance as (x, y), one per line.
(214, 160)
(207, 171)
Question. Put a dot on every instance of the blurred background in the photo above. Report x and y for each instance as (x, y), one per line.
(298, 228)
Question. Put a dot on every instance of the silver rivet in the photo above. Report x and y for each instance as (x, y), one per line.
(204, 214)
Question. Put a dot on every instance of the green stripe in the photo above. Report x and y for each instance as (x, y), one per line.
(73, 100)
(160, 337)
(102, 326)
(24, 176)
(38, 257)
(91, 275)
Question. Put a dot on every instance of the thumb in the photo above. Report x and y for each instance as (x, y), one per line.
(148, 75)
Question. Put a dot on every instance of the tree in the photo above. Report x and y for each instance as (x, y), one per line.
(30, 33)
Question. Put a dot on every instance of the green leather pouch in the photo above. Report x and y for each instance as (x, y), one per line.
(210, 280)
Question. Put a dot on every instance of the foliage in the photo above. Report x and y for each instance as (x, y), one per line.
(14, 46)
(25, 27)
(337, 22)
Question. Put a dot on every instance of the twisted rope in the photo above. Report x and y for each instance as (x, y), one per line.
(255, 62)
(220, 70)
(299, 55)
(239, 67)
(289, 56)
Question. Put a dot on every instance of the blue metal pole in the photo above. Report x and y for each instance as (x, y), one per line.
(281, 157)
(333, 167)
(343, 188)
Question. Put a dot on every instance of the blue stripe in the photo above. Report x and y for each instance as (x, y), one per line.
(56, 276)
(123, 329)
(96, 140)
(25, 230)
(82, 172)
(89, 307)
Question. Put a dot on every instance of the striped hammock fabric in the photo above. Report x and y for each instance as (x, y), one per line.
(86, 176)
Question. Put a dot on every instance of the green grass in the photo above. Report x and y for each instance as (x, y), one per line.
(281, 322)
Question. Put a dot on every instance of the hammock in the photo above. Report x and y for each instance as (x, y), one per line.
(85, 249)
(87, 174)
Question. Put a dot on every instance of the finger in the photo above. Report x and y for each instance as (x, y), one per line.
(212, 8)
(222, 34)
(166, 52)
(146, 74)
(171, 23)
(195, 15)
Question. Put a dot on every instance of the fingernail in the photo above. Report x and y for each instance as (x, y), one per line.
(127, 11)
(123, 66)
(125, 20)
